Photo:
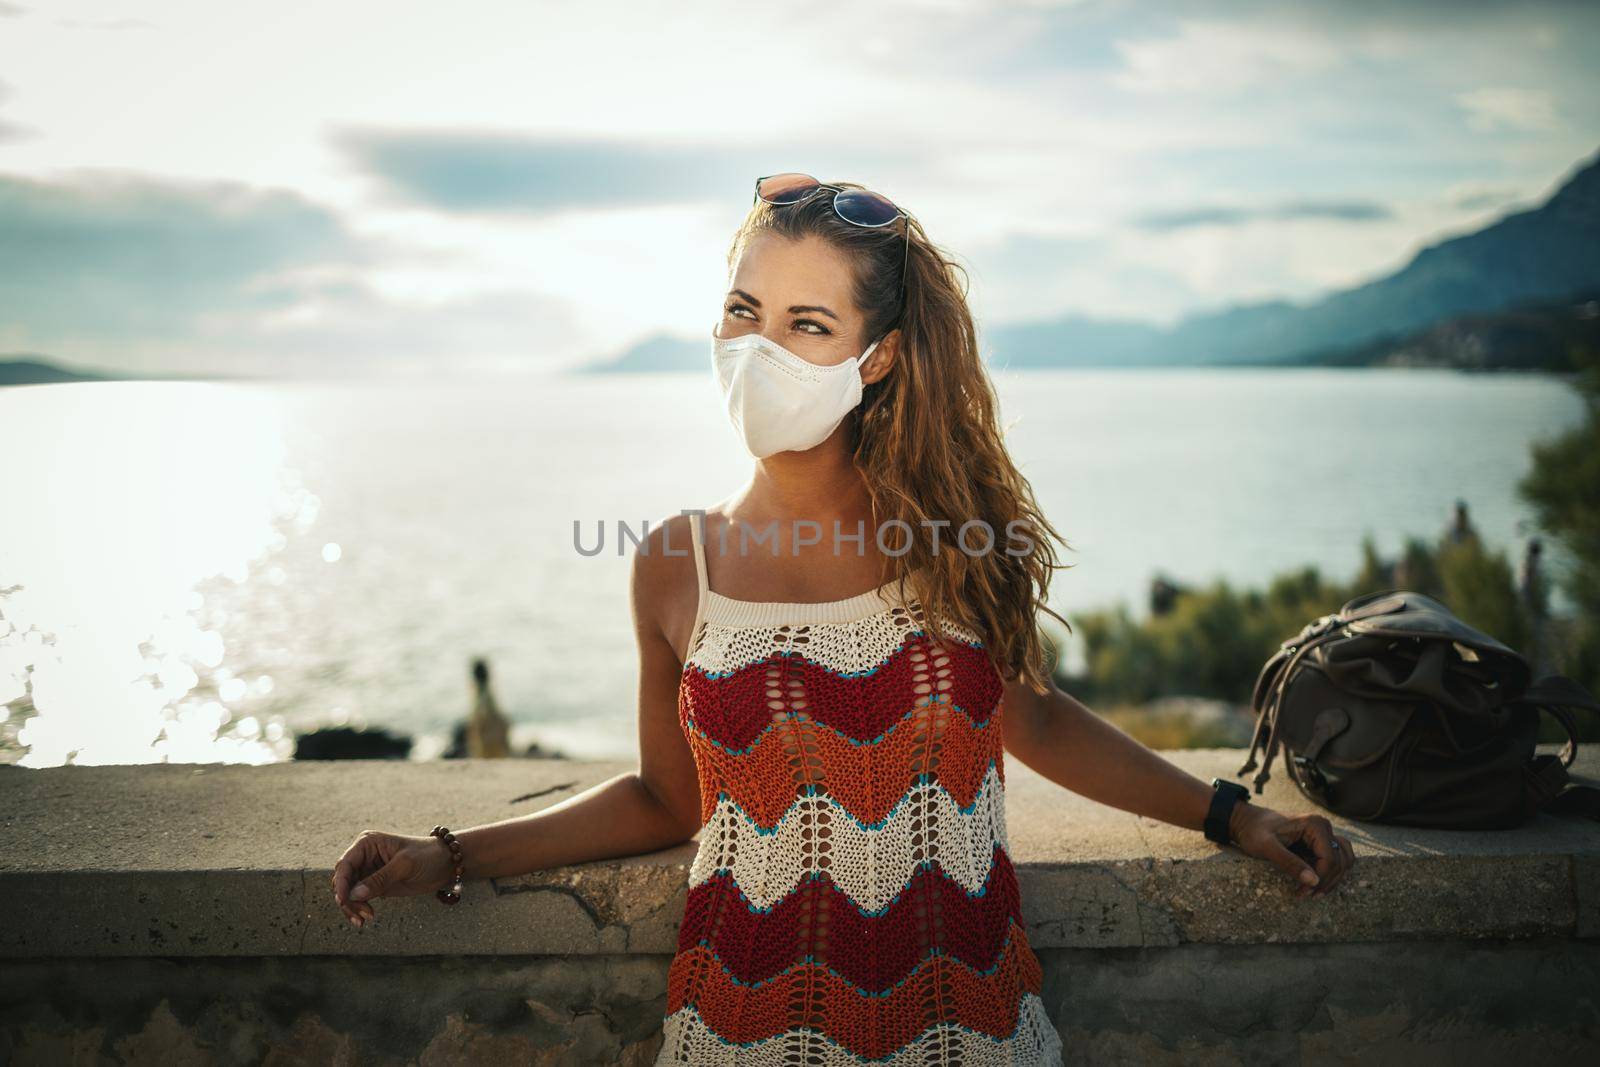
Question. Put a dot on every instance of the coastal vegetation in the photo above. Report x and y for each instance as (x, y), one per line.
(1210, 642)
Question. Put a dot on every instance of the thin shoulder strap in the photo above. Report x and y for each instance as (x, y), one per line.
(697, 533)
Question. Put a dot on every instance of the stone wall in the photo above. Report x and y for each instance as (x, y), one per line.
(182, 914)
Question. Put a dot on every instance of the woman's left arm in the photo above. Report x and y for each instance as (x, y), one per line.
(1069, 744)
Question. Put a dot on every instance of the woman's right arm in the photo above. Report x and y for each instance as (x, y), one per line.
(652, 808)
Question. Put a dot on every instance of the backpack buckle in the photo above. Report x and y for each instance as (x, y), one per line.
(1313, 630)
(1311, 773)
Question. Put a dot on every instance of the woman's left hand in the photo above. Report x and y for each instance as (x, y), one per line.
(1268, 835)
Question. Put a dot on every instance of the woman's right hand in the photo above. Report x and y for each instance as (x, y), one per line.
(380, 864)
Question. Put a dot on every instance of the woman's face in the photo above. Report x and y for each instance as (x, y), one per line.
(796, 293)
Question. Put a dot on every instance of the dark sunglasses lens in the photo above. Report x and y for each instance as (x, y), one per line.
(786, 188)
(864, 208)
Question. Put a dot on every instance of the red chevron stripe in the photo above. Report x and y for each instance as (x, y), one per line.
(734, 709)
(940, 991)
(868, 780)
(872, 951)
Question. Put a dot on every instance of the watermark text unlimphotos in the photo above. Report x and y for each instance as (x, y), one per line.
(894, 537)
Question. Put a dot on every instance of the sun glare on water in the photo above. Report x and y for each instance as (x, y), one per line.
(150, 489)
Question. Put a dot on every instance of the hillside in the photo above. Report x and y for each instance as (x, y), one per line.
(1549, 254)
(1538, 336)
(29, 369)
(1545, 253)
(656, 353)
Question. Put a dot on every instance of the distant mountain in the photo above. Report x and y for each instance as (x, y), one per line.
(1074, 341)
(656, 353)
(30, 368)
(1545, 253)
(26, 368)
(1540, 336)
(1550, 253)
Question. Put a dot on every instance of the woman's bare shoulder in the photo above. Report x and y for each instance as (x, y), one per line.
(665, 581)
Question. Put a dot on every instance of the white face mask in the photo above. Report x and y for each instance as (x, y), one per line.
(779, 402)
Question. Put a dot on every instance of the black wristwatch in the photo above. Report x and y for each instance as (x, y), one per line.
(1222, 801)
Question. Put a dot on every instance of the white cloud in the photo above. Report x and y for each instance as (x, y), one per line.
(1055, 122)
(1223, 57)
(1510, 108)
(1483, 196)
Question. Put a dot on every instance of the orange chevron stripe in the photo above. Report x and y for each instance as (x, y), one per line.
(870, 1026)
(868, 779)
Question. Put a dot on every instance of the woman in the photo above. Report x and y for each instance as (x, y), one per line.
(841, 752)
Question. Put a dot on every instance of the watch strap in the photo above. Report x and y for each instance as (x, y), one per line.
(1224, 796)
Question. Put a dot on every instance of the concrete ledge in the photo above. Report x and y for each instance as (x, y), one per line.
(181, 914)
(187, 860)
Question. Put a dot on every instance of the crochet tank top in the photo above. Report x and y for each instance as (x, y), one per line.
(852, 898)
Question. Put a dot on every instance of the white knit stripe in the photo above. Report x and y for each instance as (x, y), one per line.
(727, 611)
(730, 612)
(844, 648)
(870, 864)
(1035, 1043)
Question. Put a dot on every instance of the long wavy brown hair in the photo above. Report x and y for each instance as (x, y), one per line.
(927, 438)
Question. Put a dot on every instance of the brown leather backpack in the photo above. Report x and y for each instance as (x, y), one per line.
(1394, 710)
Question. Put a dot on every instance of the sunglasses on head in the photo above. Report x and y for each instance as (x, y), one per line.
(859, 207)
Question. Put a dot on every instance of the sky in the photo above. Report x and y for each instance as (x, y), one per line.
(353, 187)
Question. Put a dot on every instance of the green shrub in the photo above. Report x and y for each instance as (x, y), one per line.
(1214, 640)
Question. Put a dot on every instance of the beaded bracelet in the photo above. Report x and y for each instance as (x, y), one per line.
(453, 894)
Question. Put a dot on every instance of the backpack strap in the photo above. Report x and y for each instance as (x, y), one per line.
(1559, 689)
(1549, 786)
(1267, 718)
(1558, 695)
